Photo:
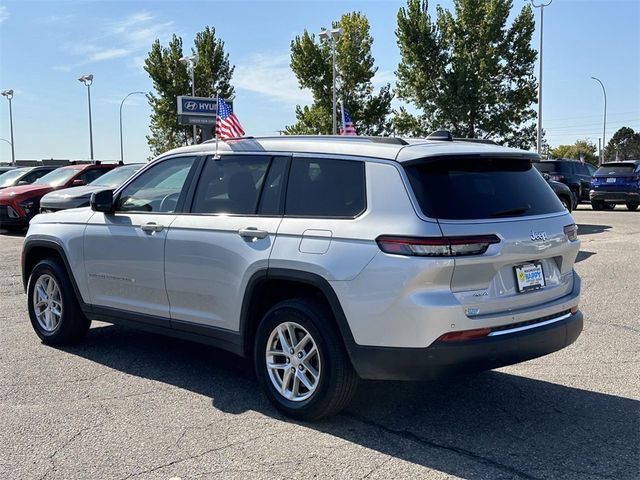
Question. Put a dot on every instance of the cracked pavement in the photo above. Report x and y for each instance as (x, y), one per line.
(131, 405)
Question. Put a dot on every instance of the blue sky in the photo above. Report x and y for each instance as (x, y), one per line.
(46, 45)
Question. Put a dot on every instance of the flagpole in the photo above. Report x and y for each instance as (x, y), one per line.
(217, 156)
(343, 121)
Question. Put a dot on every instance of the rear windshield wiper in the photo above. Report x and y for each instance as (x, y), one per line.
(512, 211)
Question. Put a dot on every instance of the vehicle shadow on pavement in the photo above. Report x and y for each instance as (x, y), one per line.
(587, 229)
(583, 255)
(490, 425)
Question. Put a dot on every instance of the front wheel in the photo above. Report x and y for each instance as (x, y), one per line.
(632, 206)
(53, 307)
(301, 362)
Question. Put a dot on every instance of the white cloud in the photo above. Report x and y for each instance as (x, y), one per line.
(4, 13)
(130, 36)
(382, 77)
(271, 76)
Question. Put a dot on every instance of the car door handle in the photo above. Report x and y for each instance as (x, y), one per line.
(252, 233)
(151, 227)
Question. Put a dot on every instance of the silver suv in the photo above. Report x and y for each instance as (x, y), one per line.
(325, 259)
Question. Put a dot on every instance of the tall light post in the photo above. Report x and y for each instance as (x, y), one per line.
(541, 6)
(9, 95)
(121, 104)
(191, 61)
(88, 80)
(333, 36)
(604, 123)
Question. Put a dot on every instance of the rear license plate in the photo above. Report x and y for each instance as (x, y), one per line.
(611, 180)
(529, 277)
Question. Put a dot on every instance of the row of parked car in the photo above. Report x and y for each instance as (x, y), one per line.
(614, 183)
(27, 191)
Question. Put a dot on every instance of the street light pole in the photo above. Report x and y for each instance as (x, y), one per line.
(541, 6)
(191, 61)
(9, 95)
(121, 104)
(88, 80)
(604, 123)
(333, 35)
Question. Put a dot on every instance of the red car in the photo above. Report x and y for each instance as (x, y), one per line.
(20, 204)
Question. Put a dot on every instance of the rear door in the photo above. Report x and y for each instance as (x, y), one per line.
(227, 235)
(508, 198)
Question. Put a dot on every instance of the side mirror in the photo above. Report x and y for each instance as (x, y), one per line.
(546, 176)
(102, 201)
(78, 183)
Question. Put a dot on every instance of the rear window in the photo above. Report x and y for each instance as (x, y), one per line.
(551, 167)
(616, 169)
(474, 188)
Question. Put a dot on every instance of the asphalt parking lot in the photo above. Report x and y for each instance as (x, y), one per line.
(131, 405)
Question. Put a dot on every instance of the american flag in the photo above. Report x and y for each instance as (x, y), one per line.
(347, 127)
(227, 124)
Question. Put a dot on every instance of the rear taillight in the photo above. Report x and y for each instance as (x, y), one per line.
(436, 246)
(571, 231)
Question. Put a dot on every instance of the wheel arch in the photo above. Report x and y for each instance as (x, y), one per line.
(269, 286)
(34, 251)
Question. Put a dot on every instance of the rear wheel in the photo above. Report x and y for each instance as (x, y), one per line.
(632, 206)
(53, 307)
(576, 197)
(566, 202)
(301, 362)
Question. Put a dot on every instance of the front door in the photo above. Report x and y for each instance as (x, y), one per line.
(124, 251)
(227, 236)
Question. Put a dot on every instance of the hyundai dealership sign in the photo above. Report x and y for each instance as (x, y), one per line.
(200, 106)
(197, 110)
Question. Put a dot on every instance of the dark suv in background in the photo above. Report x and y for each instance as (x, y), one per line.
(573, 173)
(616, 183)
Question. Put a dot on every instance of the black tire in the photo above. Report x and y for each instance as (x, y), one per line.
(576, 197)
(566, 202)
(609, 206)
(73, 325)
(597, 204)
(337, 381)
(632, 206)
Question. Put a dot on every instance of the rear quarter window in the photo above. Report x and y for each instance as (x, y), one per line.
(481, 188)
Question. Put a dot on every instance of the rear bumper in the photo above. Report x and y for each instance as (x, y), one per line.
(445, 359)
(631, 196)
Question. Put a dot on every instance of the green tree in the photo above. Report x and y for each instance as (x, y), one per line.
(311, 63)
(171, 78)
(581, 149)
(624, 145)
(467, 71)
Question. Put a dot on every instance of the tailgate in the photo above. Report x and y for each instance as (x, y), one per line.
(486, 284)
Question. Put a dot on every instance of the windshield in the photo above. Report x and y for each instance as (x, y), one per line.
(57, 178)
(8, 178)
(116, 176)
(480, 188)
(615, 169)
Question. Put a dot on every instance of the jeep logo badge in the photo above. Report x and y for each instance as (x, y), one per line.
(538, 236)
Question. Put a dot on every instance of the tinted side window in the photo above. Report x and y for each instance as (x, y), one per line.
(33, 176)
(325, 188)
(230, 185)
(158, 188)
(271, 202)
(90, 175)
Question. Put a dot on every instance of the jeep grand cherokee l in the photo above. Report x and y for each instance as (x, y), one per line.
(324, 259)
